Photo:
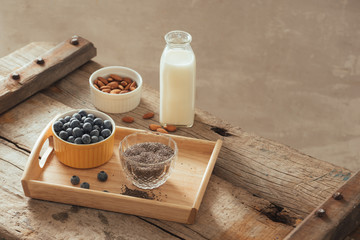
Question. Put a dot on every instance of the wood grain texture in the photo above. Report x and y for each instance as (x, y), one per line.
(58, 62)
(260, 190)
(341, 218)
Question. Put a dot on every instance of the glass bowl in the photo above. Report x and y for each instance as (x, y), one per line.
(148, 158)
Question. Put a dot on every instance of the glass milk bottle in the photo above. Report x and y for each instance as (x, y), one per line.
(177, 80)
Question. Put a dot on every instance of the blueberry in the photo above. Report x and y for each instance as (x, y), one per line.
(101, 138)
(87, 127)
(77, 116)
(78, 140)
(94, 133)
(90, 115)
(66, 126)
(96, 127)
(105, 133)
(89, 120)
(83, 113)
(85, 185)
(63, 135)
(69, 131)
(77, 132)
(98, 121)
(86, 138)
(71, 139)
(83, 118)
(94, 139)
(58, 126)
(102, 176)
(74, 124)
(75, 180)
(62, 120)
(67, 118)
(107, 124)
(72, 119)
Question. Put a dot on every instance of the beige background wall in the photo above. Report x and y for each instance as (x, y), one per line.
(286, 70)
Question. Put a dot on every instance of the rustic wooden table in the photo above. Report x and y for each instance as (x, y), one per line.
(259, 189)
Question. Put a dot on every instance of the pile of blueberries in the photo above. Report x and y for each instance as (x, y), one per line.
(83, 128)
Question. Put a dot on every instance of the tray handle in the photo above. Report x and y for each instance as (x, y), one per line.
(33, 165)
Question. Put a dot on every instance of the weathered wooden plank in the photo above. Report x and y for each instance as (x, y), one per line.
(341, 215)
(57, 62)
(224, 205)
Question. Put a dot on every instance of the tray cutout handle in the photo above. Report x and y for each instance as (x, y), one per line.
(34, 166)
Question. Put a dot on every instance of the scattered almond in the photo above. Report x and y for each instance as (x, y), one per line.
(161, 130)
(154, 127)
(128, 119)
(148, 115)
(170, 128)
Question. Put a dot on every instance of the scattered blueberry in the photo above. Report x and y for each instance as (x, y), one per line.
(58, 126)
(77, 132)
(102, 176)
(83, 113)
(85, 185)
(78, 140)
(71, 139)
(75, 123)
(107, 124)
(86, 138)
(75, 180)
(63, 135)
(94, 133)
(98, 121)
(105, 133)
(94, 139)
(87, 127)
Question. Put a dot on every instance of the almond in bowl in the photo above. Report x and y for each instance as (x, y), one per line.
(115, 89)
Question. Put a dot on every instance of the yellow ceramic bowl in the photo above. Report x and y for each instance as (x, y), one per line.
(84, 155)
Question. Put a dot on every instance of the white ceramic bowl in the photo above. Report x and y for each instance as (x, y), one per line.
(116, 103)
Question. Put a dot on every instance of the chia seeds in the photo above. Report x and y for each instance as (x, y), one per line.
(147, 162)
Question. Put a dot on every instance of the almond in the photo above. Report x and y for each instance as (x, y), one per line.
(148, 115)
(133, 85)
(124, 91)
(170, 128)
(128, 119)
(110, 79)
(127, 87)
(128, 80)
(154, 127)
(96, 86)
(161, 130)
(121, 87)
(105, 87)
(107, 90)
(116, 77)
(132, 88)
(100, 83)
(115, 91)
(123, 83)
(113, 85)
(103, 80)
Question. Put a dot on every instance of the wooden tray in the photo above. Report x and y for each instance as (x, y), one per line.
(177, 200)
